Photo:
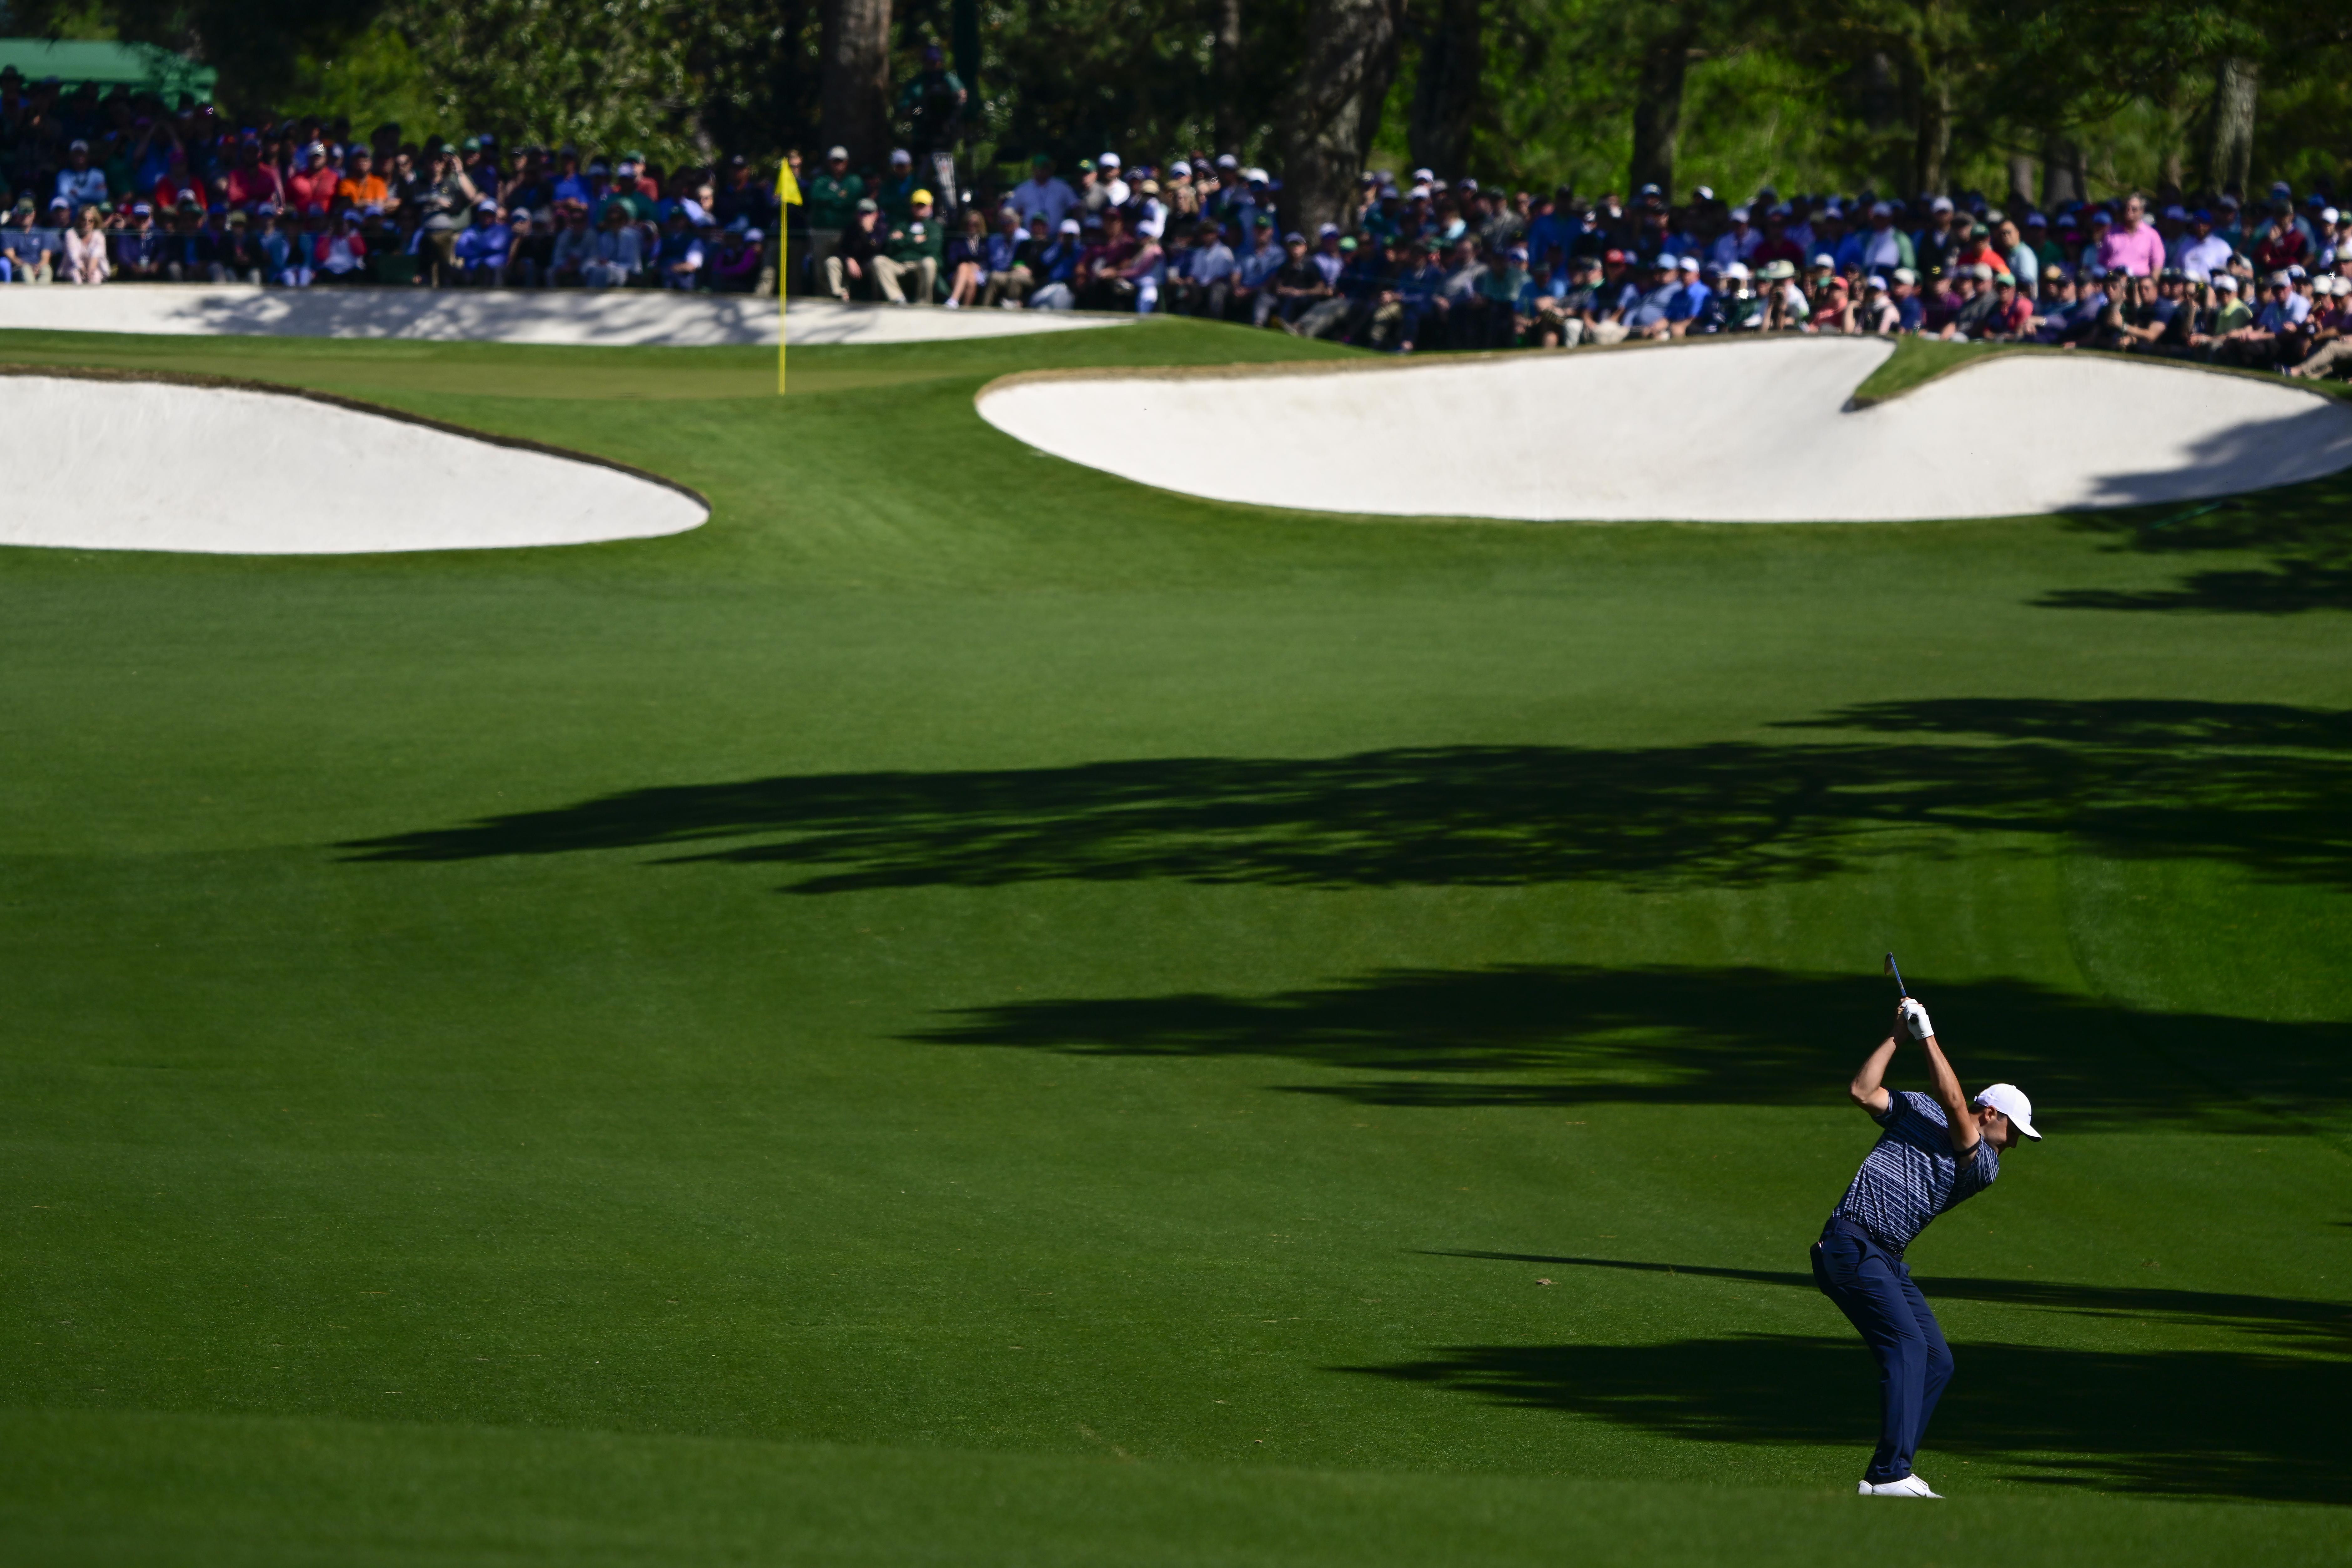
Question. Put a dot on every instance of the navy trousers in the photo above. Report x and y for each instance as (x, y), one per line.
(1874, 1290)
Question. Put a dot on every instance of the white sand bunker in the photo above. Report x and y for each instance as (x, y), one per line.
(1746, 432)
(108, 463)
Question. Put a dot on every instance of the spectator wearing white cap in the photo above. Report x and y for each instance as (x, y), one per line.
(1691, 297)
(1116, 191)
(1877, 246)
(1737, 243)
(1874, 313)
(481, 251)
(830, 197)
(2230, 316)
(896, 194)
(2335, 239)
(139, 248)
(1056, 266)
(1903, 292)
(1181, 194)
(2331, 351)
(80, 185)
(1736, 307)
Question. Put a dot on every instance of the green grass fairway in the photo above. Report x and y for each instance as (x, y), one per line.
(971, 1012)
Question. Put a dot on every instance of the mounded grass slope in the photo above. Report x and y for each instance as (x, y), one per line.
(968, 1009)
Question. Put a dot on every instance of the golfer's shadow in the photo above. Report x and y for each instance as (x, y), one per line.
(2186, 1423)
(2242, 1423)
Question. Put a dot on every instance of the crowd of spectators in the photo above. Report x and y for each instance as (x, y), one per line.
(1430, 263)
(122, 186)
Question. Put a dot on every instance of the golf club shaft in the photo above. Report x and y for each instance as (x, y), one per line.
(1895, 970)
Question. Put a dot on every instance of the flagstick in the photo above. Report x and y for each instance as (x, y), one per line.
(788, 195)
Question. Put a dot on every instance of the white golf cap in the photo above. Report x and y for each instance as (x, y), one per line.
(2011, 1102)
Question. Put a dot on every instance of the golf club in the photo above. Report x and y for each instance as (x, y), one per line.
(1900, 988)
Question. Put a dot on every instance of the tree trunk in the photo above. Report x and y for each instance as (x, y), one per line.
(1445, 92)
(1935, 144)
(1878, 91)
(1658, 109)
(1232, 127)
(856, 90)
(2020, 186)
(2062, 172)
(2229, 160)
(1332, 111)
(965, 33)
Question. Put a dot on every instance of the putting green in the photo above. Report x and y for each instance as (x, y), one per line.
(969, 1010)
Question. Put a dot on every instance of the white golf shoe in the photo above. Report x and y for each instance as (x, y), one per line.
(1909, 1486)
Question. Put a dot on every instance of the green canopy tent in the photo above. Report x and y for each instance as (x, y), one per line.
(140, 66)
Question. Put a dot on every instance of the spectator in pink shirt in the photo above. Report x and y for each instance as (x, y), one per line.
(2134, 246)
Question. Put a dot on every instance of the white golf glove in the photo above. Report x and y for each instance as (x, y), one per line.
(1915, 1018)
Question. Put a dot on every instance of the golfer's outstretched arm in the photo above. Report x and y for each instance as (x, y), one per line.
(1869, 1085)
(1951, 1096)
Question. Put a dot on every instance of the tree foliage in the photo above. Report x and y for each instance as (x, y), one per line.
(1898, 94)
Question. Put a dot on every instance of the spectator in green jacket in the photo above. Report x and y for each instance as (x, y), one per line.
(831, 197)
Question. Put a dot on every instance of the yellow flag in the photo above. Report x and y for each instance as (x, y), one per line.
(788, 195)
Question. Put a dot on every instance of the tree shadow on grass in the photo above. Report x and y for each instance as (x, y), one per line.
(2297, 542)
(1534, 1035)
(2259, 786)
(2182, 1423)
(2294, 1325)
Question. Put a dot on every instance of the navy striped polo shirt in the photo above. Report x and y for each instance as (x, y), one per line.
(1912, 1173)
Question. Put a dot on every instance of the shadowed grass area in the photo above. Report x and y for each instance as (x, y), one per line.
(2293, 550)
(305, 1492)
(2325, 1327)
(1565, 1035)
(2258, 784)
(2189, 1424)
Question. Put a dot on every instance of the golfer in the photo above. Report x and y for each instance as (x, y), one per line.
(1936, 1150)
